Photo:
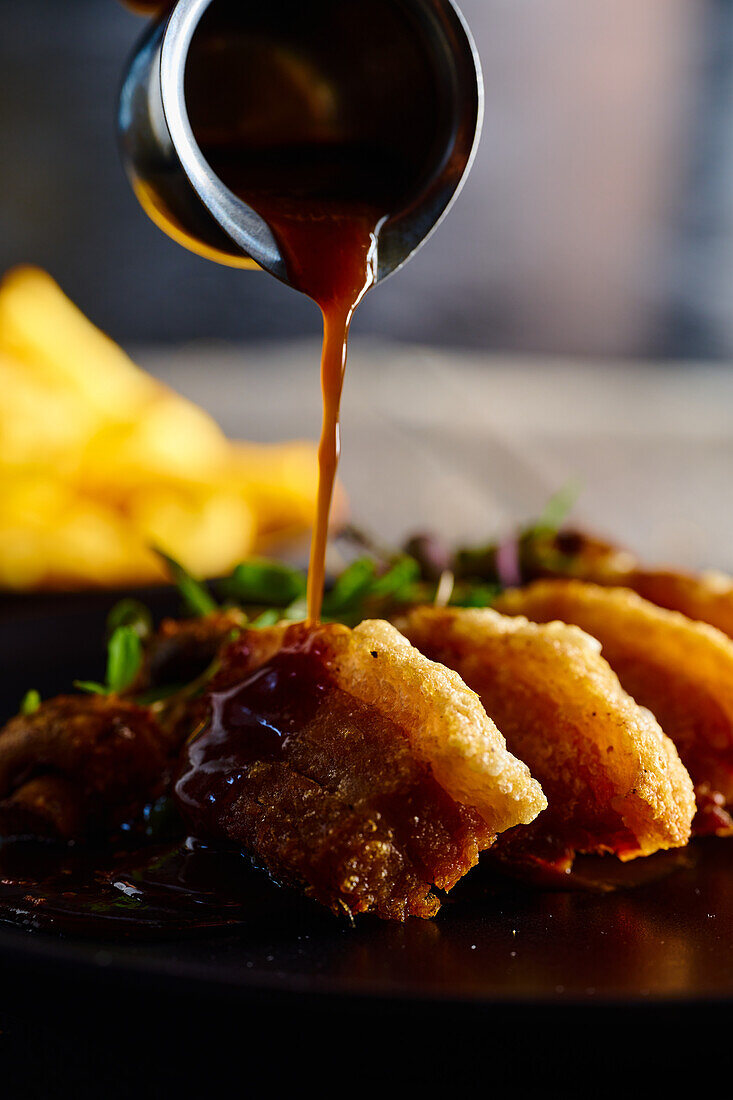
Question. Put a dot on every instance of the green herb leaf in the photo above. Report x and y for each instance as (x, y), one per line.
(158, 694)
(353, 584)
(474, 595)
(297, 611)
(556, 510)
(259, 581)
(124, 657)
(197, 597)
(30, 702)
(130, 613)
(91, 687)
(267, 618)
(398, 581)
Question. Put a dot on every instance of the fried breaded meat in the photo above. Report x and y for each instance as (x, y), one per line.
(706, 596)
(613, 780)
(349, 764)
(80, 765)
(681, 670)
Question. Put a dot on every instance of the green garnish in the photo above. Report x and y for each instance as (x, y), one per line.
(364, 590)
(474, 564)
(30, 702)
(474, 595)
(555, 511)
(296, 611)
(259, 581)
(124, 658)
(268, 618)
(350, 588)
(130, 613)
(399, 581)
(197, 597)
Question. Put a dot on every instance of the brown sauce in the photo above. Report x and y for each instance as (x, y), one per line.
(249, 722)
(149, 890)
(331, 252)
(188, 887)
(330, 246)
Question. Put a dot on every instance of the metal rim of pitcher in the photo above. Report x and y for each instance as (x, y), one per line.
(241, 223)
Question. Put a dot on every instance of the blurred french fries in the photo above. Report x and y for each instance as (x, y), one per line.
(100, 461)
(43, 329)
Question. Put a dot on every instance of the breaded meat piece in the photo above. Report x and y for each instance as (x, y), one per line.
(350, 765)
(706, 596)
(681, 670)
(80, 765)
(613, 780)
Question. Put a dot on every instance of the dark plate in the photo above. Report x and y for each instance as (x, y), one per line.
(495, 948)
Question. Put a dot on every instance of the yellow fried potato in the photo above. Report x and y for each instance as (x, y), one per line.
(171, 438)
(613, 780)
(111, 459)
(31, 508)
(680, 669)
(40, 423)
(281, 482)
(208, 532)
(76, 543)
(42, 328)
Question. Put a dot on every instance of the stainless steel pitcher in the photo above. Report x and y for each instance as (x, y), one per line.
(363, 64)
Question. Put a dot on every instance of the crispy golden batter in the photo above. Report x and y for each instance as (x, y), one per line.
(613, 780)
(705, 597)
(444, 721)
(349, 764)
(681, 670)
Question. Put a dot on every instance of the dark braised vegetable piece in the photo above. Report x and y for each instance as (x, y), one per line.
(348, 764)
(181, 650)
(80, 766)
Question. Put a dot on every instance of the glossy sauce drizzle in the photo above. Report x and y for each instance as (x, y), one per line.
(330, 247)
(331, 254)
(251, 722)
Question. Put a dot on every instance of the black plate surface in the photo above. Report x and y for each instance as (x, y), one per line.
(495, 946)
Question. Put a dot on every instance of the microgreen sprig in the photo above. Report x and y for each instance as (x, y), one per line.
(130, 613)
(555, 512)
(30, 702)
(260, 581)
(124, 658)
(196, 595)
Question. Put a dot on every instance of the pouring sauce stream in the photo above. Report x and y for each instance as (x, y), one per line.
(330, 247)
